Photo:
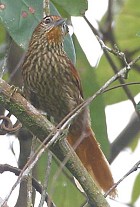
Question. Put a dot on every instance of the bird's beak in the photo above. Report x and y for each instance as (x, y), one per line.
(59, 22)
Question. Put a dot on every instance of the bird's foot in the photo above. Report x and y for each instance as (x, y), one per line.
(15, 89)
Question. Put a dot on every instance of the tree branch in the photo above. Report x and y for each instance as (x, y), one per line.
(41, 127)
(46, 7)
(35, 183)
(100, 35)
(133, 169)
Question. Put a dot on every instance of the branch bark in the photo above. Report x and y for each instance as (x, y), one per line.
(41, 127)
(35, 183)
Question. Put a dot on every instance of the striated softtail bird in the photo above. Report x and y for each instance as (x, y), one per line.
(52, 84)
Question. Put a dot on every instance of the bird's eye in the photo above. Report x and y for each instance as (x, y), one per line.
(47, 20)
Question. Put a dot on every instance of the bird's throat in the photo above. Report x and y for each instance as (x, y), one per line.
(54, 35)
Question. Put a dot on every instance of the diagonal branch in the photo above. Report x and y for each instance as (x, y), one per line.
(35, 183)
(99, 35)
(133, 169)
(41, 128)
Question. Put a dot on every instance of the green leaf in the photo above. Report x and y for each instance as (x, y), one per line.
(105, 72)
(126, 27)
(133, 145)
(20, 18)
(126, 30)
(69, 48)
(138, 106)
(68, 43)
(2, 34)
(136, 190)
(73, 7)
(62, 190)
(127, 35)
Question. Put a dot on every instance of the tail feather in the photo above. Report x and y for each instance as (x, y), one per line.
(93, 159)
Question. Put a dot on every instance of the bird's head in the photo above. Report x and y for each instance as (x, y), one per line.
(53, 28)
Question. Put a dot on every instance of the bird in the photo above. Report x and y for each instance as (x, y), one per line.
(52, 84)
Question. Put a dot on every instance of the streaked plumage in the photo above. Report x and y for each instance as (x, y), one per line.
(53, 85)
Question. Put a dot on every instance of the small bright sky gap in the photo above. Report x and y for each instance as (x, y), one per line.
(85, 36)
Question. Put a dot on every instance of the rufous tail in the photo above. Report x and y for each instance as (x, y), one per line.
(93, 159)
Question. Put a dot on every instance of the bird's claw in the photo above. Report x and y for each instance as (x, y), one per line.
(15, 89)
(64, 134)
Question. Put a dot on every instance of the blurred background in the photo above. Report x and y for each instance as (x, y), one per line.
(115, 116)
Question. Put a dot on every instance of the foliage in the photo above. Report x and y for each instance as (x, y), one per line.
(21, 17)
(135, 193)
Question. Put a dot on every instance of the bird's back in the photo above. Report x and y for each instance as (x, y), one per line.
(49, 82)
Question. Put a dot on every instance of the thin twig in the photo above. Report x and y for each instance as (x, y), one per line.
(121, 85)
(46, 7)
(71, 116)
(121, 55)
(45, 184)
(111, 62)
(38, 187)
(133, 169)
(67, 120)
(32, 161)
(29, 189)
(4, 65)
(62, 165)
(65, 172)
(29, 178)
(57, 174)
(34, 158)
(114, 51)
(38, 124)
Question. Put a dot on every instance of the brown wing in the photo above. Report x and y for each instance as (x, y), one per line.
(76, 76)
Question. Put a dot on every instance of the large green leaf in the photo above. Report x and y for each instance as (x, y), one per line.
(20, 18)
(2, 33)
(133, 145)
(136, 190)
(68, 43)
(126, 28)
(73, 7)
(138, 106)
(62, 190)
